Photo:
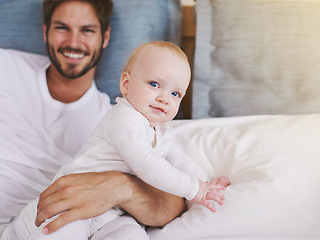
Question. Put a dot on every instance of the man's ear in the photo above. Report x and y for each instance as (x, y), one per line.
(124, 83)
(44, 33)
(106, 37)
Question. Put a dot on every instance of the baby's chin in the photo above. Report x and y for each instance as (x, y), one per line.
(157, 123)
(154, 124)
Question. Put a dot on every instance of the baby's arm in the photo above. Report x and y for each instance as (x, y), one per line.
(133, 146)
(207, 190)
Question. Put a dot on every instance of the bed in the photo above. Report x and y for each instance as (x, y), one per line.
(251, 113)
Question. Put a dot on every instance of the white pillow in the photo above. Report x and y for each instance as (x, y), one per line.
(273, 163)
(256, 57)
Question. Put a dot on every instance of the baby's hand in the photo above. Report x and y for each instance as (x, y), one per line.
(223, 181)
(215, 186)
(211, 191)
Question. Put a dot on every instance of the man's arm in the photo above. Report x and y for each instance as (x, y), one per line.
(86, 195)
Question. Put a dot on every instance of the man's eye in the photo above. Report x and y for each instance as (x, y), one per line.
(61, 28)
(154, 84)
(88, 30)
(175, 94)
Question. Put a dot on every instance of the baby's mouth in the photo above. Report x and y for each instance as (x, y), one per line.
(159, 109)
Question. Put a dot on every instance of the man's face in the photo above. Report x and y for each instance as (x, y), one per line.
(74, 40)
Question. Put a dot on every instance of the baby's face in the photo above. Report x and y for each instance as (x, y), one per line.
(157, 83)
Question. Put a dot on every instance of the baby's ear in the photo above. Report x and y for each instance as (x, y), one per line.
(124, 82)
(44, 27)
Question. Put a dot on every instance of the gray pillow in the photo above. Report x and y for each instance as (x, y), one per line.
(21, 25)
(133, 22)
(256, 57)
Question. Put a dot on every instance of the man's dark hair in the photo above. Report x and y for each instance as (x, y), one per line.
(103, 9)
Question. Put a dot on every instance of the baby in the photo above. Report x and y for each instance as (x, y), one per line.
(134, 137)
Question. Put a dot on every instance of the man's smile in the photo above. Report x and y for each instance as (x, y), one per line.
(73, 55)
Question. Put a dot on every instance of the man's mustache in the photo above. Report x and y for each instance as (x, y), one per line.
(73, 50)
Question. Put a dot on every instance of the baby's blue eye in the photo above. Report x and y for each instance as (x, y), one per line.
(175, 94)
(154, 84)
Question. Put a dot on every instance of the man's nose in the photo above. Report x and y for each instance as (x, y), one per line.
(74, 39)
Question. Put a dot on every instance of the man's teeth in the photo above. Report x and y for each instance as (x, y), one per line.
(73, 55)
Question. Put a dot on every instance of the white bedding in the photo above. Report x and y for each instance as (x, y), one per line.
(273, 163)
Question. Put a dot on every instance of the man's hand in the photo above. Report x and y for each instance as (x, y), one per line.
(79, 196)
(87, 195)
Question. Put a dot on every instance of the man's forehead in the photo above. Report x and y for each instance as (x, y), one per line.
(75, 12)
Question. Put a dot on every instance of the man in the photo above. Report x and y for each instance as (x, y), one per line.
(48, 109)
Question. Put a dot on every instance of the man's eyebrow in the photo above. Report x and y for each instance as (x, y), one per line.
(90, 26)
(58, 23)
(84, 26)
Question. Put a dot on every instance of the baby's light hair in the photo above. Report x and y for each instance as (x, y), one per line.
(162, 44)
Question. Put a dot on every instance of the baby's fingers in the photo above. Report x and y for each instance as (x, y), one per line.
(215, 186)
(219, 183)
(224, 181)
(208, 205)
(217, 196)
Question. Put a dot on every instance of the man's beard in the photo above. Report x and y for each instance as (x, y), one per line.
(71, 72)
